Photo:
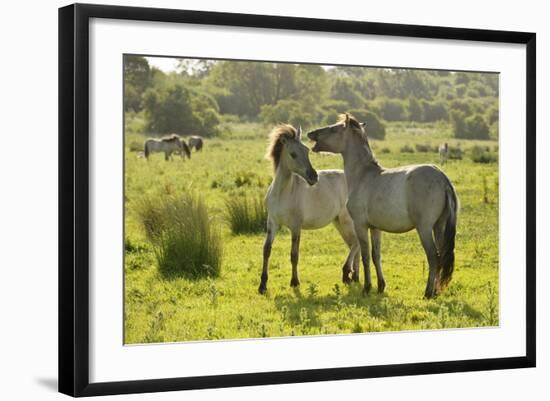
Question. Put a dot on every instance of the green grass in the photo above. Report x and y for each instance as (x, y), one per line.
(179, 308)
(186, 242)
(246, 214)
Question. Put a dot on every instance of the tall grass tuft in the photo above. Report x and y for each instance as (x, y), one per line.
(246, 214)
(186, 241)
(483, 154)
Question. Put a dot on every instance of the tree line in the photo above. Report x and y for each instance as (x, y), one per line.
(201, 94)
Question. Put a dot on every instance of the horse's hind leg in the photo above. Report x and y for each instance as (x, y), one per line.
(356, 265)
(428, 243)
(376, 258)
(294, 256)
(362, 233)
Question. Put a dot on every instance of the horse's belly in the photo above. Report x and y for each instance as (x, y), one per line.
(314, 224)
(390, 219)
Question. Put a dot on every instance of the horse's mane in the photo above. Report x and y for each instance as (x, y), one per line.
(354, 124)
(171, 138)
(357, 129)
(275, 146)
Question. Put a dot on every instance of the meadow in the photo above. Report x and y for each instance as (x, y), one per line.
(161, 307)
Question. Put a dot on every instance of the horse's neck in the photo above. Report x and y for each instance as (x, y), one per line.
(359, 162)
(283, 179)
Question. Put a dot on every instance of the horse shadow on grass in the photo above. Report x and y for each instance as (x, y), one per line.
(301, 310)
(306, 310)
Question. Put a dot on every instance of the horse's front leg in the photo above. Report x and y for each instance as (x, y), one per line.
(376, 258)
(270, 237)
(294, 256)
(362, 233)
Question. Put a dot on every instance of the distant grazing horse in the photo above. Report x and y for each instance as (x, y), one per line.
(395, 200)
(168, 145)
(196, 142)
(444, 153)
(300, 198)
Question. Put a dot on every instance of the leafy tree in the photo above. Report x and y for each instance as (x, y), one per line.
(492, 114)
(247, 86)
(415, 109)
(434, 111)
(343, 89)
(373, 125)
(170, 110)
(287, 111)
(389, 109)
(137, 78)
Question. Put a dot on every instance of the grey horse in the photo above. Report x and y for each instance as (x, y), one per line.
(301, 198)
(394, 200)
(167, 145)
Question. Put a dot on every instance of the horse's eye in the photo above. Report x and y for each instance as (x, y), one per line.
(293, 155)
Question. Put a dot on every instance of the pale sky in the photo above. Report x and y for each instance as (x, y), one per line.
(166, 64)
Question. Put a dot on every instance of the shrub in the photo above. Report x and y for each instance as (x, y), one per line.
(482, 154)
(477, 127)
(423, 148)
(374, 127)
(406, 149)
(185, 239)
(385, 150)
(246, 214)
(455, 153)
(473, 127)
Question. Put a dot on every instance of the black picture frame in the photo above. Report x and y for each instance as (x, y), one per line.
(74, 198)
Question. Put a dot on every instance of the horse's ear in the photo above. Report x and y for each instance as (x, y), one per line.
(346, 121)
(353, 122)
(299, 133)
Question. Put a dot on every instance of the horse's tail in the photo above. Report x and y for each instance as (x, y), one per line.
(447, 251)
(146, 149)
(186, 149)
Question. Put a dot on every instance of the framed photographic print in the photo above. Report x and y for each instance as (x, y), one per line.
(250, 199)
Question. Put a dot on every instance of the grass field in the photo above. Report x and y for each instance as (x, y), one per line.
(164, 308)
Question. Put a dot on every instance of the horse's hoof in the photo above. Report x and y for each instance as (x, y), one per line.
(262, 289)
(355, 278)
(346, 280)
(294, 282)
(366, 289)
(381, 287)
(430, 294)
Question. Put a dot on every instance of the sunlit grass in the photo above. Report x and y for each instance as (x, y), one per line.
(182, 308)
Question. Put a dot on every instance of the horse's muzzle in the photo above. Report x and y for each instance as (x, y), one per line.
(313, 135)
(312, 177)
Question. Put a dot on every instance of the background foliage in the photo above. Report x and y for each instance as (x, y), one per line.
(202, 94)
